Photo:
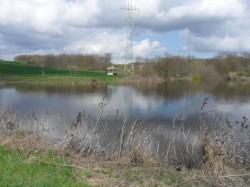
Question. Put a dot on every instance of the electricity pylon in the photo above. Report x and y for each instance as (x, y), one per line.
(129, 63)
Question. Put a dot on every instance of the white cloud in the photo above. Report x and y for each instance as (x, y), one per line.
(95, 26)
(208, 9)
(145, 47)
(81, 13)
(98, 41)
(38, 16)
(215, 43)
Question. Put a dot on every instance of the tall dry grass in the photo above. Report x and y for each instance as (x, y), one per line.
(215, 146)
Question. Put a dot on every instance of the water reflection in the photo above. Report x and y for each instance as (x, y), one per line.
(157, 105)
(149, 112)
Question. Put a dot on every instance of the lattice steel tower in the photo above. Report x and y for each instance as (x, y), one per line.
(129, 63)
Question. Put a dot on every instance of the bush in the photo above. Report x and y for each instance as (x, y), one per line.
(197, 78)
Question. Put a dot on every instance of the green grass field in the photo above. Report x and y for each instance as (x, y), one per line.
(16, 72)
(19, 68)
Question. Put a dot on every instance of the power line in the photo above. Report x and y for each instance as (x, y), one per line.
(147, 10)
(144, 14)
(129, 64)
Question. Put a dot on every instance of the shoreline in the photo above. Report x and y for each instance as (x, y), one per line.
(97, 171)
(2, 82)
(83, 81)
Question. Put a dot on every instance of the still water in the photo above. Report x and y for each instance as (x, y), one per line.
(121, 118)
(155, 105)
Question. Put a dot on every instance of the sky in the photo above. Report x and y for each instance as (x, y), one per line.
(201, 28)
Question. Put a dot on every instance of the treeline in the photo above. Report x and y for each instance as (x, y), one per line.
(77, 61)
(225, 63)
(217, 67)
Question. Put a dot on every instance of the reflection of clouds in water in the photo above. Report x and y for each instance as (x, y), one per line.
(234, 109)
(146, 103)
(6, 95)
(171, 108)
(130, 102)
(85, 101)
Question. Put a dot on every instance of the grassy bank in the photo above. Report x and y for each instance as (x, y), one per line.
(27, 161)
(132, 157)
(42, 166)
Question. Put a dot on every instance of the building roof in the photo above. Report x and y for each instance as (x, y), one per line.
(112, 67)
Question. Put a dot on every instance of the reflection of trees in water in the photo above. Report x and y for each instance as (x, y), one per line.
(171, 90)
(179, 89)
(168, 91)
(230, 91)
(63, 90)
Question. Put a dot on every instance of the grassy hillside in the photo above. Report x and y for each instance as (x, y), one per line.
(22, 72)
(20, 68)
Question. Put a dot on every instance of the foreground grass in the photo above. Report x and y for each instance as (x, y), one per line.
(21, 169)
(26, 161)
(77, 160)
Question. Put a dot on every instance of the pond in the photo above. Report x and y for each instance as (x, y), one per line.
(156, 105)
(122, 118)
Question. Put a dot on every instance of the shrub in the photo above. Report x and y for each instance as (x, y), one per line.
(197, 78)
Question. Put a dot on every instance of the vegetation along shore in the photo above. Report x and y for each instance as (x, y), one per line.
(83, 69)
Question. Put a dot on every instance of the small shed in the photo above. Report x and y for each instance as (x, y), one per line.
(112, 70)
